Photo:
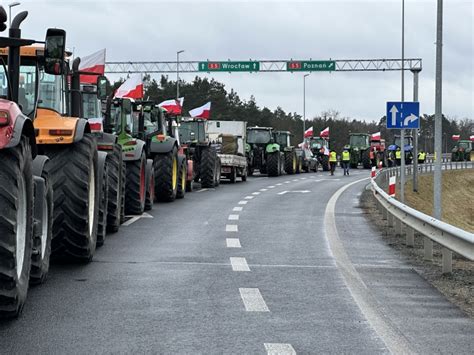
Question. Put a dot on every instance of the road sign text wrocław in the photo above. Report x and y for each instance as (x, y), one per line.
(229, 66)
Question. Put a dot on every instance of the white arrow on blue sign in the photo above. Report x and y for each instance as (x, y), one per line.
(403, 115)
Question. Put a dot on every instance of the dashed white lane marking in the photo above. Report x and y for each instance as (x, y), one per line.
(263, 190)
(231, 228)
(287, 182)
(249, 197)
(271, 186)
(233, 217)
(243, 202)
(133, 219)
(253, 300)
(202, 190)
(303, 178)
(279, 184)
(279, 349)
(255, 193)
(238, 209)
(233, 243)
(239, 264)
(295, 180)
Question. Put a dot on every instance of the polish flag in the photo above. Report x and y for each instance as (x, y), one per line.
(455, 137)
(324, 133)
(201, 112)
(174, 106)
(95, 124)
(94, 63)
(376, 136)
(471, 138)
(309, 132)
(131, 88)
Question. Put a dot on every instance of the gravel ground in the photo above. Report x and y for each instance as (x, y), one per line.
(457, 287)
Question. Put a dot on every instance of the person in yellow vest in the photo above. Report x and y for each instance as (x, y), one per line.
(332, 161)
(421, 157)
(345, 160)
(398, 156)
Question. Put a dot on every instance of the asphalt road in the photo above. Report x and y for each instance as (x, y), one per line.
(245, 268)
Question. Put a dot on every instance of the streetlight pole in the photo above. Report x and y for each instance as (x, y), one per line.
(304, 104)
(13, 4)
(402, 131)
(177, 72)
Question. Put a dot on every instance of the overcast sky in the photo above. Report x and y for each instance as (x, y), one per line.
(239, 30)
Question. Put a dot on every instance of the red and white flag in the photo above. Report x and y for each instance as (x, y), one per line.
(173, 106)
(201, 112)
(131, 88)
(324, 133)
(309, 132)
(455, 137)
(95, 124)
(471, 138)
(93, 63)
(376, 136)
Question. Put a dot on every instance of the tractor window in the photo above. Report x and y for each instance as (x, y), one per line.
(186, 130)
(282, 139)
(27, 92)
(464, 145)
(259, 136)
(115, 117)
(151, 120)
(359, 141)
(52, 92)
(91, 105)
(408, 141)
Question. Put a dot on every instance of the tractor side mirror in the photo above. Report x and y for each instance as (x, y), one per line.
(54, 49)
(102, 87)
(3, 19)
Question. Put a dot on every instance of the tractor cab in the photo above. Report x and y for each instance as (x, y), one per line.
(408, 143)
(360, 141)
(259, 136)
(282, 138)
(193, 131)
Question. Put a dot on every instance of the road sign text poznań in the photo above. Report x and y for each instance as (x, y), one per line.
(311, 65)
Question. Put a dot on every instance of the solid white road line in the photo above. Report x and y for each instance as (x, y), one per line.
(243, 202)
(263, 190)
(202, 190)
(239, 264)
(255, 193)
(253, 300)
(233, 217)
(279, 349)
(249, 197)
(237, 209)
(131, 220)
(372, 310)
(233, 243)
(231, 228)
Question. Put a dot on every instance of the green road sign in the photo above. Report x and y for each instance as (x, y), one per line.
(311, 65)
(229, 66)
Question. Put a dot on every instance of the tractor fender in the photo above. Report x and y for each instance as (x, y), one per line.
(38, 164)
(272, 147)
(108, 138)
(148, 170)
(190, 176)
(137, 151)
(39, 196)
(82, 127)
(23, 126)
(163, 147)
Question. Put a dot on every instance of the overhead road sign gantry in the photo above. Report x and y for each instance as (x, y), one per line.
(311, 65)
(150, 67)
(403, 115)
(229, 66)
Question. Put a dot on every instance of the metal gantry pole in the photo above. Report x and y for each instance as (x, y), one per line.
(177, 73)
(402, 131)
(415, 135)
(304, 104)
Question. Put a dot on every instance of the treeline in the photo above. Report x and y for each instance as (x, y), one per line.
(227, 105)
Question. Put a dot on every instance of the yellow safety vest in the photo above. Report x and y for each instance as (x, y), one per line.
(422, 156)
(346, 156)
(398, 154)
(333, 157)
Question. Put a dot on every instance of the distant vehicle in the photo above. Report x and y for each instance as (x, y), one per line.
(359, 147)
(319, 147)
(307, 161)
(407, 148)
(462, 151)
(263, 153)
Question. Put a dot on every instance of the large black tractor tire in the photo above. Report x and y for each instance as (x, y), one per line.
(74, 175)
(244, 175)
(291, 162)
(325, 163)
(103, 203)
(166, 176)
(299, 165)
(115, 165)
(273, 164)
(366, 162)
(233, 175)
(182, 175)
(150, 185)
(41, 254)
(16, 204)
(208, 167)
(135, 186)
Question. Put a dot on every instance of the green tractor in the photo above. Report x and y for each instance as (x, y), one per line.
(263, 153)
(121, 121)
(462, 151)
(292, 163)
(359, 144)
(195, 142)
(320, 149)
(162, 147)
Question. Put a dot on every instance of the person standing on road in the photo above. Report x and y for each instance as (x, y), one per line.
(398, 156)
(421, 157)
(332, 161)
(346, 158)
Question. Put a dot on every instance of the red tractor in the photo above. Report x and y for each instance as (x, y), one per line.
(377, 154)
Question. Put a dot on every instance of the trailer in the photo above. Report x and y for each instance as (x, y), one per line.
(229, 139)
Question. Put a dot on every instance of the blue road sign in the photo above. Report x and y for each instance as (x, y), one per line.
(403, 115)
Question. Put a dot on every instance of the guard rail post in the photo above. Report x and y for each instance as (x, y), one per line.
(398, 227)
(410, 237)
